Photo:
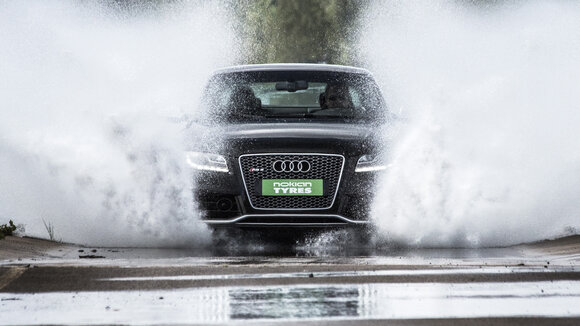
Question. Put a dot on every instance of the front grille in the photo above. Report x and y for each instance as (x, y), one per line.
(327, 167)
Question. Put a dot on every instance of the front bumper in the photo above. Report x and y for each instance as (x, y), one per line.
(287, 220)
(223, 200)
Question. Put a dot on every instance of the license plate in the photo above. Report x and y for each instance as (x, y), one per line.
(292, 187)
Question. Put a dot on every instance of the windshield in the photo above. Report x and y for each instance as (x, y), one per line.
(287, 95)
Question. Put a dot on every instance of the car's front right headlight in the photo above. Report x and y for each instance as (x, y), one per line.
(207, 161)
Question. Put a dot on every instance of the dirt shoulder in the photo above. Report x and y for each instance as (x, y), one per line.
(13, 248)
(567, 246)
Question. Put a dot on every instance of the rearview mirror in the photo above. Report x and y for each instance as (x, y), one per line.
(292, 86)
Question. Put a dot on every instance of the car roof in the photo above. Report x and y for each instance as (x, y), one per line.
(293, 67)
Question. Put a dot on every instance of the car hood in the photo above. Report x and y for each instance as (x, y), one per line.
(237, 139)
(297, 130)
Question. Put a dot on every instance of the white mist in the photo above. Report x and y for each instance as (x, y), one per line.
(487, 151)
(86, 90)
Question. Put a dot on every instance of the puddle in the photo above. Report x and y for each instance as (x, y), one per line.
(303, 302)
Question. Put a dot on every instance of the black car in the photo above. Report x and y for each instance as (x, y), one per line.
(288, 145)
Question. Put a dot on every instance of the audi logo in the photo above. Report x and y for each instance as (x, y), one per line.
(291, 166)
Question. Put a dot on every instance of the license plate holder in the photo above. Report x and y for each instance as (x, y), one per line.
(292, 187)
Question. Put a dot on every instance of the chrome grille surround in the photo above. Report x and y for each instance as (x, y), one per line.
(328, 167)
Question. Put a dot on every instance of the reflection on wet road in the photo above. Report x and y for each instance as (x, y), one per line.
(302, 302)
(528, 284)
(406, 300)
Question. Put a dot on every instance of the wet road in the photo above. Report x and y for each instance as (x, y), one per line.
(537, 284)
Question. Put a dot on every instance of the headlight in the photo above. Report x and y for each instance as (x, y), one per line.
(370, 163)
(207, 161)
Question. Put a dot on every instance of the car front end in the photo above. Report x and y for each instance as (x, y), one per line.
(286, 166)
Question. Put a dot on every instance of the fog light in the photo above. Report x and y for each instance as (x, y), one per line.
(225, 204)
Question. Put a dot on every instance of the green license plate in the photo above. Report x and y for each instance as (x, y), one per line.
(292, 187)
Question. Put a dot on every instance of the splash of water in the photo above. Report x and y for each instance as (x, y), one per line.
(486, 152)
(85, 95)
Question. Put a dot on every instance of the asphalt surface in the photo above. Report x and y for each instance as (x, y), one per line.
(43, 282)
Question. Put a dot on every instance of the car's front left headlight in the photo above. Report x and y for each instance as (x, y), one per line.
(370, 163)
(207, 161)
